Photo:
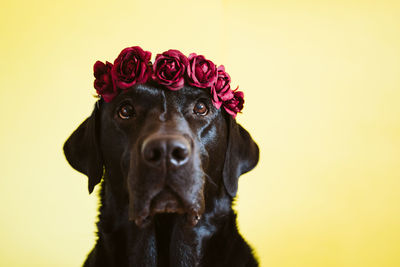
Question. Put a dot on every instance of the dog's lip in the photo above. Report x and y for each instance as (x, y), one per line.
(166, 201)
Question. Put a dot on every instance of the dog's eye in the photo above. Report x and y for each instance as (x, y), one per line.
(126, 111)
(200, 109)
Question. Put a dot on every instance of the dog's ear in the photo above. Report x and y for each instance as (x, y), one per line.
(82, 149)
(241, 155)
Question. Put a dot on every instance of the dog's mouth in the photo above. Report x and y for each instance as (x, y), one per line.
(166, 201)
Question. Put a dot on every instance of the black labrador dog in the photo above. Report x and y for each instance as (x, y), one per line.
(170, 163)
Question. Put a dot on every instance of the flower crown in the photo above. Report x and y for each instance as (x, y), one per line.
(171, 69)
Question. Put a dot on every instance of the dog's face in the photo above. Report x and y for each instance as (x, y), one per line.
(167, 151)
(163, 141)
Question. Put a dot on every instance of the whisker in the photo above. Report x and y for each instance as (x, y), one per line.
(209, 179)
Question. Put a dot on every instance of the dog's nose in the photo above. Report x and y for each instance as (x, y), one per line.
(171, 149)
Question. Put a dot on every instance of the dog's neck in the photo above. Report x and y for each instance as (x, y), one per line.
(166, 240)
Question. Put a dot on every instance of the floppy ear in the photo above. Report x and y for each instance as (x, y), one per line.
(241, 156)
(82, 150)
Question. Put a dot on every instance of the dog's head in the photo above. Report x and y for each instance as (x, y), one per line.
(163, 146)
(166, 150)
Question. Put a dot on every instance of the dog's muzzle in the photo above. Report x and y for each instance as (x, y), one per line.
(166, 178)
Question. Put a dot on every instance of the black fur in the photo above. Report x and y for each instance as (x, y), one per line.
(197, 226)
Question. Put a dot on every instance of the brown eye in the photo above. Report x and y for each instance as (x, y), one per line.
(126, 111)
(200, 109)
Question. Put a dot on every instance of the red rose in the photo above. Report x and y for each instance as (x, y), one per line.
(131, 67)
(169, 69)
(221, 89)
(201, 72)
(235, 104)
(103, 83)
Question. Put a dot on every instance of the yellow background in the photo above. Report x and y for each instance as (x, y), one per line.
(322, 86)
